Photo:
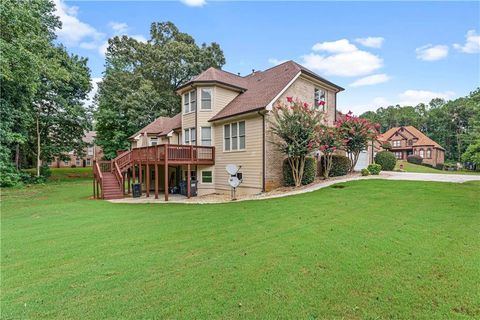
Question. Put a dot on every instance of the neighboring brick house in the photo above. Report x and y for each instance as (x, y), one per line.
(229, 116)
(408, 140)
(91, 152)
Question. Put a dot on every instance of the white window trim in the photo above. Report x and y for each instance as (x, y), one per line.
(189, 101)
(201, 177)
(238, 137)
(211, 99)
(201, 135)
(189, 136)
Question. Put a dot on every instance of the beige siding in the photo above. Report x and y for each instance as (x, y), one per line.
(250, 159)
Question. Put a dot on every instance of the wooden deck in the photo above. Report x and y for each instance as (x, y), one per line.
(129, 165)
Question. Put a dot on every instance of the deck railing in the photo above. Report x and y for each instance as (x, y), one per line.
(176, 154)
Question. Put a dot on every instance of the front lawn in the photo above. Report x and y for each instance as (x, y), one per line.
(371, 249)
(410, 167)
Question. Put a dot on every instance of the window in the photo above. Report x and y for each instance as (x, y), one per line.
(320, 99)
(206, 136)
(77, 162)
(410, 142)
(190, 136)
(153, 141)
(422, 153)
(207, 177)
(429, 153)
(396, 143)
(399, 155)
(66, 162)
(88, 162)
(90, 151)
(190, 101)
(234, 136)
(193, 175)
(206, 103)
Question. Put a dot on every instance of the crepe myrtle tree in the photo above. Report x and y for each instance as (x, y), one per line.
(356, 133)
(329, 140)
(296, 125)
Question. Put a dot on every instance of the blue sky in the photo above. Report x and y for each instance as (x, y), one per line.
(381, 52)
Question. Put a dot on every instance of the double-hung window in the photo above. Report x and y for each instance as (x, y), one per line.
(190, 136)
(190, 101)
(207, 177)
(234, 136)
(320, 99)
(90, 151)
(397, 143)
(206, 96)
(206, 136)
(77, 162)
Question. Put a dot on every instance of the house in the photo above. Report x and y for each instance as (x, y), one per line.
(408, 140)
(91, 152)
(225, 119)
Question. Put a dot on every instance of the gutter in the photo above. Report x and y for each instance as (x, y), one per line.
(263, 150)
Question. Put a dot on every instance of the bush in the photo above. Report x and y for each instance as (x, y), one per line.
(374, 168)
(309, 172)
(73, 166)
(386, 160)
(340, 166)
(439, 166)
(365, 172)
(45, 171)
(415, 159)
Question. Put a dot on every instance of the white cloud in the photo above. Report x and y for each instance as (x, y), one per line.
(102, 49)
(73, 30)
(431, 52)
(275, 61)
(472, 43)
(91, 94)
(348, 64)
(342, 45)
(371, 80)
(118, 27)
(372, 42)
(139, 38)
(414, 97)
(194, 3)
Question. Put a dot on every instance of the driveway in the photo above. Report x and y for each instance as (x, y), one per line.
(438, 177)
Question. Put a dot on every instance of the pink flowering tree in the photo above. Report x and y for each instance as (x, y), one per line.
(356, 134)
(329, 140)
(295, 123)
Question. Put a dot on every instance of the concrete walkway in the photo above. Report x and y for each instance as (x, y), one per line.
(387, 175)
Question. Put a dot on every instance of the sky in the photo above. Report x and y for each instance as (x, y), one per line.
(382, 53)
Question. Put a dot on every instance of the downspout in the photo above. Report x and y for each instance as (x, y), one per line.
(263, 150)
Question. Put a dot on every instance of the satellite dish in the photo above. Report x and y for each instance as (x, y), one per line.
(232, 169)
(234, 182)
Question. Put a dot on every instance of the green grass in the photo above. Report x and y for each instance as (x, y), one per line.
(374, 249)
(410, 167)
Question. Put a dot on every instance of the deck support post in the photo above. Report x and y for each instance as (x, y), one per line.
(140, 177)
(156, 180)
(98, 191)
(134, 172)
(128, 178)
(94, 195)
(166, 172)
(188, 180)
(147, 179)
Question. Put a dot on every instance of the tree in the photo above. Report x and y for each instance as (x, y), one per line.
(140, 80)
(329, 139)
(356, 133)
(296, 125)
(472, 154)
(60, 118)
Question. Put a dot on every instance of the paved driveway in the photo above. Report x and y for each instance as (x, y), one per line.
(459, 178)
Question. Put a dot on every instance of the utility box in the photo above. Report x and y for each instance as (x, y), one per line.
(136, 190)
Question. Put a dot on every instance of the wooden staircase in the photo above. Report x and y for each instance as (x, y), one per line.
(111, 188)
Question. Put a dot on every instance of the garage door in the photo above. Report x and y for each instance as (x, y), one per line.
(362, 161)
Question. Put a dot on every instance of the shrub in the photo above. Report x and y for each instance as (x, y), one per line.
(374, 168)
(309, 172)
(439, 166)
(340, 166)
(73, 166)
(365, 172)
(415, 159)
(386, 160)
(45, 171)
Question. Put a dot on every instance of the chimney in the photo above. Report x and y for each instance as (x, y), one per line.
(238, 73)
(253, 70)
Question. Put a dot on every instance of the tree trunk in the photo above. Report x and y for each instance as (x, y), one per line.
(17, 156)
(38, 147)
